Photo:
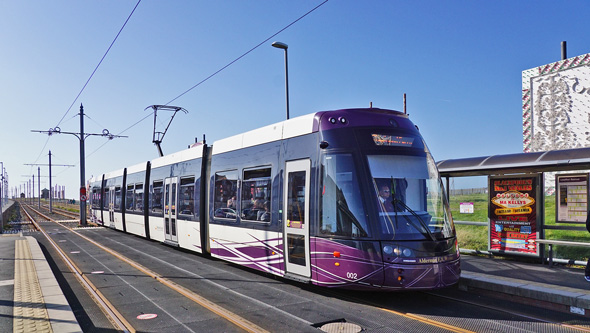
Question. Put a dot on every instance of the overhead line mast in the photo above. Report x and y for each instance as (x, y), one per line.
(82, 137)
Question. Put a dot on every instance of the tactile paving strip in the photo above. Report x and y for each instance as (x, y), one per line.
(30, 314)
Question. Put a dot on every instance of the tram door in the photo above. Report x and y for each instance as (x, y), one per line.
(296, 217)
(170, 212)
(111, 201)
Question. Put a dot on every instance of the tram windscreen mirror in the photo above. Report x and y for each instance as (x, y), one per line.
(392, 140)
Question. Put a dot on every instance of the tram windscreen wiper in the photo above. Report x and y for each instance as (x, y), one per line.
(422, 223)
(406, 207)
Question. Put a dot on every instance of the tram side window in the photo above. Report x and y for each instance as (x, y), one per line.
(296, 199)
(186, 199)
(342, 212)
(117, 198)
(107, 199)
(157, 196)
(225, 195)
(129, 202)
(138, 197)
(256, 186)
(95, 198)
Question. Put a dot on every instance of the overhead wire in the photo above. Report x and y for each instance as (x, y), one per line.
(218, 71)
(96, 122)
(247, 52)
(99, 63)
(91, 75)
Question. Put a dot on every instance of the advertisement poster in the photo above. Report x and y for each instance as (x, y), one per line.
(571, 197)
(513, 214)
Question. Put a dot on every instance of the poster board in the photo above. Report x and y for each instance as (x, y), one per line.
(466, 208)
(514, 214)
(571, 198)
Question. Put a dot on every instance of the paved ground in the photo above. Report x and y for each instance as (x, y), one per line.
(31, 300)
(556, 287)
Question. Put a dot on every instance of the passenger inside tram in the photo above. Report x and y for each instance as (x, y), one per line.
(264, 214)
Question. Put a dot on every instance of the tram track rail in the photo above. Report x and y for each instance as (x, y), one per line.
(21, 226)
(223, 312)
(504, 310)
(118, 319)
(107, 308)
(453, 328)
(412, 317)
(62, 212)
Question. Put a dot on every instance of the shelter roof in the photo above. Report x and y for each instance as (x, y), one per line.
(554, 160)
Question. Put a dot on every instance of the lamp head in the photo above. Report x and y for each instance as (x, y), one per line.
(280, 45)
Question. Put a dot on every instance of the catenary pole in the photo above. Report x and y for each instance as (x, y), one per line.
(39, 184)
(83, 221)
(81, 136)
(50, 188)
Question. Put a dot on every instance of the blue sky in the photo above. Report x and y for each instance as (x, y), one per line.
(459, 62)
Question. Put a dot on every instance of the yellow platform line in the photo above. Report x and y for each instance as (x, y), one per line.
(30, 314)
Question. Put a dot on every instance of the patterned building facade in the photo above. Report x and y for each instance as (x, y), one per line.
(556, 107)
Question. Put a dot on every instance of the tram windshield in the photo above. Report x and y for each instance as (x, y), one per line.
(410, 198)
(342, 212)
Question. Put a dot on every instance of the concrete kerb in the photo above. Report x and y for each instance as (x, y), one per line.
(528, 290)
(60, 313)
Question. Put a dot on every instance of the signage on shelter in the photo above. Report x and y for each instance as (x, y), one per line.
(571, 197)
(466, 208)
(513, 214)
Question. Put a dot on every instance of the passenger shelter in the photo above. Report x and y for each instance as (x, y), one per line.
(535, 164)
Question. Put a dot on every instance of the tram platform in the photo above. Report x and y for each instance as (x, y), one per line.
(556, 287)
(31, 300)
(6, 204)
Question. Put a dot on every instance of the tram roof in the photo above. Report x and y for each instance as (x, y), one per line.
(554, 160)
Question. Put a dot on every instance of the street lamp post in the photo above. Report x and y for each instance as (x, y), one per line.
(284, 46)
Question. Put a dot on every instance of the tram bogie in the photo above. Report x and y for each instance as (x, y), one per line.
(347, 198)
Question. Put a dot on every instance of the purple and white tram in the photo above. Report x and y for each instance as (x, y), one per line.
(347, 198)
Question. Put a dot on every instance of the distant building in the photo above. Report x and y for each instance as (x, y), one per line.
(556, 105)
(556, 108)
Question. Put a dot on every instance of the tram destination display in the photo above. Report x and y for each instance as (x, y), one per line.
(513, 214)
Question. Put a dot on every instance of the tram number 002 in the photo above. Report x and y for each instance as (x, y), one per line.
(351, 275)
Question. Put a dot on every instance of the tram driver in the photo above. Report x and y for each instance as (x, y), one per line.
(385, 198)
(393, 199)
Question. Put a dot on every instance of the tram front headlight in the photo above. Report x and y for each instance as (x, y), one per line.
(393, 251)
(407, 253)
(388, 249)
(399, 251)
